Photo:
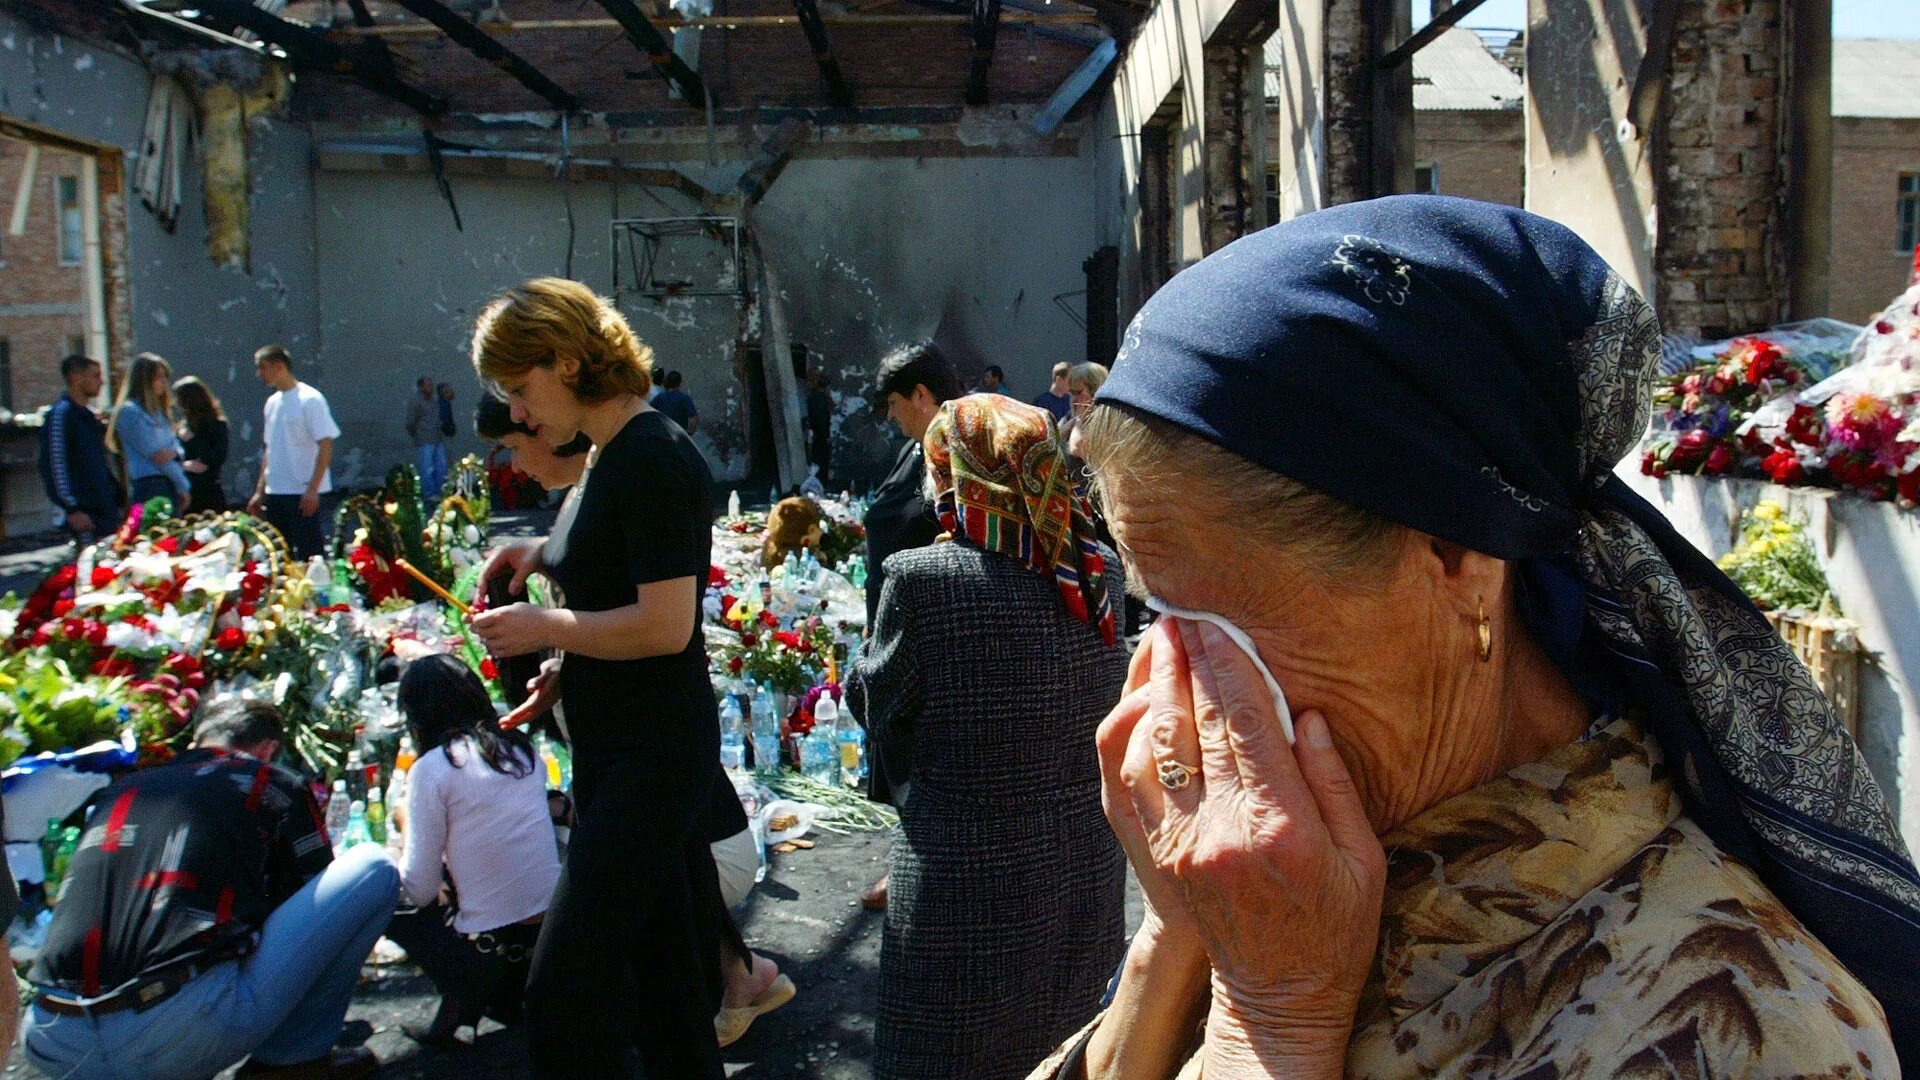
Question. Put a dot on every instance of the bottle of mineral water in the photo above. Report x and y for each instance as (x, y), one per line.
(848, 738)
(733, 503)
(337, 811)
(357, 831)
(766, 731)
(733, 737)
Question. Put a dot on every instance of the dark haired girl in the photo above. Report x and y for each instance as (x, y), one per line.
(203, 433)
(481, 860)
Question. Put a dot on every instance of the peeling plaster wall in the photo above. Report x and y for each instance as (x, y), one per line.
(205, 320)
(869, 253)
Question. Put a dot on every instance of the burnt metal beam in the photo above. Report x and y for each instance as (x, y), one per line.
(986, 27)
(1050, 31)
(816, 31)
(367, 63)
(486, 47)
(648, 39)
(1436, 26)
(1644, 99)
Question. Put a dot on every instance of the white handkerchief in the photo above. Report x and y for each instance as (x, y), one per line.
(1240, 638)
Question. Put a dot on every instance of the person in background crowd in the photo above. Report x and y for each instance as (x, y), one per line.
(754, 984)
(203, 433)
(476, 816)
(820, 424)
(993, 380)
(1083, 382)
(1006, 909)
(1058, 398)
(296, 454)
(1501, 777)
(141, 432)
(448, 426)
(204, 919)
(429, 441)
(677, 405)
(910, 384)
(628, 963)
(74, 465)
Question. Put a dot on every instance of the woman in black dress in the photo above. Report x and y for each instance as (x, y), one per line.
(627, 970)
(203, 431)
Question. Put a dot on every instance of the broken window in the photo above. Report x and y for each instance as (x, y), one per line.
(73, 237)
(1159, 194)
(1426, 178)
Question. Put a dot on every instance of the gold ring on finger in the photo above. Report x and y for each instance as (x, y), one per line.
(1175, 776)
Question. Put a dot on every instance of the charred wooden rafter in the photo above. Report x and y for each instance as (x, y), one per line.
(816, 31)
(648, 39)
(486, 47)
(986, 27)
(1436, 26)
(367, 62)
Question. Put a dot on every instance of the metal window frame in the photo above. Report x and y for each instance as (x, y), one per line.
(645, 238)
(1906, 212)
(61, 208)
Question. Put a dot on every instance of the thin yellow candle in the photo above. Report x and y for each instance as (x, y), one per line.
(458, 604)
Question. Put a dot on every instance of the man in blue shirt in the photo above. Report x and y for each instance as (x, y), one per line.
(676, 404)
(1058, 399)
(74, 465)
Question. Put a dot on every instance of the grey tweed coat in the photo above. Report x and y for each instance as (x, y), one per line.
(1004, 917)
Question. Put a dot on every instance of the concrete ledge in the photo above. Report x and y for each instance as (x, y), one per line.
(1871, 552)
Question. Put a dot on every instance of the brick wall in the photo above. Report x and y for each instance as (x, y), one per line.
(1719, 260)
(1868, 157)
(1480, 154)
(41, 301)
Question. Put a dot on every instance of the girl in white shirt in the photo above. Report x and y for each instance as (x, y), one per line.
(481, 860)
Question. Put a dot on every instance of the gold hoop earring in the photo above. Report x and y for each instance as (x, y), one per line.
(1486, 633)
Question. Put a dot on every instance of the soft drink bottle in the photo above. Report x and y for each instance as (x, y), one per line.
(337, 811)
(376, 816)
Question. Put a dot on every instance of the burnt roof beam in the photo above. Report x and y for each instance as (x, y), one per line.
(486, 47)
(371, 67)
(986, 27)
(647, 38)
(816, 31)
(1436, 26)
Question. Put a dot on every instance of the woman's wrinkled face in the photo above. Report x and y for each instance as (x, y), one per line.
(541, 399)
(1379, 657)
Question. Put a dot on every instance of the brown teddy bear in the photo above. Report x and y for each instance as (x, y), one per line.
(794, 525)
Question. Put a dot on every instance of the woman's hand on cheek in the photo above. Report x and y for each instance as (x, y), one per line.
(1116, 740)
(1271, 852)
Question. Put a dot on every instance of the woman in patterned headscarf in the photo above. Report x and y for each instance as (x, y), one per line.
(1488, 773)
(991, 661)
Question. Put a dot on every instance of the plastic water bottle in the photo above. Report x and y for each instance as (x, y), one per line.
(847, 736)
(817, 756)
(766, 731)
(793, 569)
(733, 737)
(357, 831)
(810, 567)
(356, 775)
(376, 817)
(773, 497)
(337, 815)
(733, 503)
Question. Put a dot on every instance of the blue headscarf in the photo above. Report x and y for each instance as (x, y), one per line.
(1475, 372)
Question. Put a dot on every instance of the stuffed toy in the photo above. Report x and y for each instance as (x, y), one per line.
(794, 525)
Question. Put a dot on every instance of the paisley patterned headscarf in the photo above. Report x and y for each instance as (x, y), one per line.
(1475, 372)
(1002, 484)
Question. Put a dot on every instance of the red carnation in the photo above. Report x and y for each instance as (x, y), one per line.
(62, 607)
(1719, 462)
(94, 632)
(103, 576)
(168, 544)
(737, 663)
(43, 633)
(1783, 467)
(63, 578)
(768, 620)
(230, 639)
(182, 663)
(749, 639)
(488, 669)
(787, 638)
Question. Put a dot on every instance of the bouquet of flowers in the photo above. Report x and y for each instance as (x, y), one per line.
(1775, 564)
(1706, 407)
(789, 661)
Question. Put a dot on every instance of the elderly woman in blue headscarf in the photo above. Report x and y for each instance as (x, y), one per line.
(1451, 757)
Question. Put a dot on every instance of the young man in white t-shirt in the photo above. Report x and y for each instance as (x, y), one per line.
(297, 454)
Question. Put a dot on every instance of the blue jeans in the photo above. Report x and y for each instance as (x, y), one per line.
(431, 460)
(282, 1004)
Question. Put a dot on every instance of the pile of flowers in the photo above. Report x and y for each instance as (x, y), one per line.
(1748, 414)
(787, 661)
(1775, 564)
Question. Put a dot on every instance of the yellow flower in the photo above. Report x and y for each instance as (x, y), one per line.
(1767, 510)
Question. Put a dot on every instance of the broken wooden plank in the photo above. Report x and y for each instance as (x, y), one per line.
(1436, 26)
(482, 44)
(1082, 80)
(986, 27)
(837, 89)
(648, 39)
(367, 63)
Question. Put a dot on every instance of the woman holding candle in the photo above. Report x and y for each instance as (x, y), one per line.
(630, 551)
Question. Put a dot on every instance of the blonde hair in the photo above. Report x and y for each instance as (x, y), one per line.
(1341, 541)
(138, 385)
(547, 318)
(1090, 375)
(1062, 369)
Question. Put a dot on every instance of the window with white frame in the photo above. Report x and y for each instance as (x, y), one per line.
(72, 222)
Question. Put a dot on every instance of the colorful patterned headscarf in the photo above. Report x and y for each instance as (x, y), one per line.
(1003, 484)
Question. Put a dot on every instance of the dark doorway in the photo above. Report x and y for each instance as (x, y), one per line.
(1103, 304)
(763, 468)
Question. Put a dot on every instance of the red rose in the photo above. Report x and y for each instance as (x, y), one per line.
(749, 639)
(246, 608)
(787, 638)
(230, 639)
(63, 578)
(1883, 327)
(61, 607)
(734, 665)
(103, 576)
(768, 620)
(182, 663)
(1806, 426)
(95, 633)
(1783, 467)
(1648, 461)
(1720, 461)
(253, 587)
(1690, 451)
(488, 669)
(168, 544)
(43, 633)
(252, 565)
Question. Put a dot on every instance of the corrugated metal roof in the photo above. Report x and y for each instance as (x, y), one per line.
(1454, 71)
(1876, 78)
